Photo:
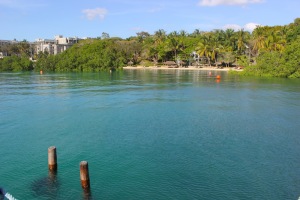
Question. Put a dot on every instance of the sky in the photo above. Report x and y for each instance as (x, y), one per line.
(33, 19)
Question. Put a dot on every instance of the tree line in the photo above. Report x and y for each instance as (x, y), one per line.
(267, 51)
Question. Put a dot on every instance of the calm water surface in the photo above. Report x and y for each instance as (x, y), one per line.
(150, 134)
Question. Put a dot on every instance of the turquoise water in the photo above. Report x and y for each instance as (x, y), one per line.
(150, 134)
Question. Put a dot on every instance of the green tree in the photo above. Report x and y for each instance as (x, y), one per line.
(293, 30)
(291, 56)
(15, 63)
(174, 43)
(204, 47)
(209, 47)
(228, 39)
(274, 42)
(242, 40)
(259, 37)
(105, 35)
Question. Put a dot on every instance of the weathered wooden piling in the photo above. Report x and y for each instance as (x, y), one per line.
(84, 175)
(52, 159)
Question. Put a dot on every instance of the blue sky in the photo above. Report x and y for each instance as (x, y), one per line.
(32, 19)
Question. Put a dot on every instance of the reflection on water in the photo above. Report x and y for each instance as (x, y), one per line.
(87, 194)
(46, 187)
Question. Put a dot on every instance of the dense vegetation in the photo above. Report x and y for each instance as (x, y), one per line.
(18, 59)
(88, 55)
(267, 51)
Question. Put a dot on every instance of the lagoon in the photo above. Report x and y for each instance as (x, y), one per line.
(150, 134)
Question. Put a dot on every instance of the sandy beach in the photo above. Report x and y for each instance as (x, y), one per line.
(183, 68)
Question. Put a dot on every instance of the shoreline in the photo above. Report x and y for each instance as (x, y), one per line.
(184, 68)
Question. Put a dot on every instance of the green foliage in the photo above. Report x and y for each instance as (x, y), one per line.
(243, 61)
(275, 50)
(268, 64)
(129, 51)
(291, 57)
(277, 64)
(293, 30)
(91, 55)
(15, 63)
(146, 63)
(45, 62)
(227, 58)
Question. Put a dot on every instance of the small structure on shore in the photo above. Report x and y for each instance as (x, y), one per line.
(199, 61)
(182, 63)
(130, 63)
(170, 64)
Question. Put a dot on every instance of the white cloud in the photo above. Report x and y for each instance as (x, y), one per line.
(91, 14)
(251, 26)
(247, 27)
(227, 2)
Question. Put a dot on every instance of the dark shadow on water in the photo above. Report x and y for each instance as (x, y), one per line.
(2, 193)
(86, 194)
(46, 187)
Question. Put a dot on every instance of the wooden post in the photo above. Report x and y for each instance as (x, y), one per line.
(84, 175)
(52, 159)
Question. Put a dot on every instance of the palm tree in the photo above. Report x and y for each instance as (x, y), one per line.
(242, 37)
(174, 43)
(183, 33)
(196, 33)
(275, 42)
(259, 35)
(159, 36)
(229, 39)
(158, 49)
(183, 40)
(209, 47)
(216, 48)
(219, 35)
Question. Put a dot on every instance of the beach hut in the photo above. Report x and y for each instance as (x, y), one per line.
(130, 63)
(170, 64)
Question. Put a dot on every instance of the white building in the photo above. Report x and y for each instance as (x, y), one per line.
(56, 46)
(44, 45)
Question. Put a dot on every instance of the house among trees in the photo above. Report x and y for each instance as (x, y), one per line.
(267, 51)
(5, 45)
(51, 46)
(56, 46)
